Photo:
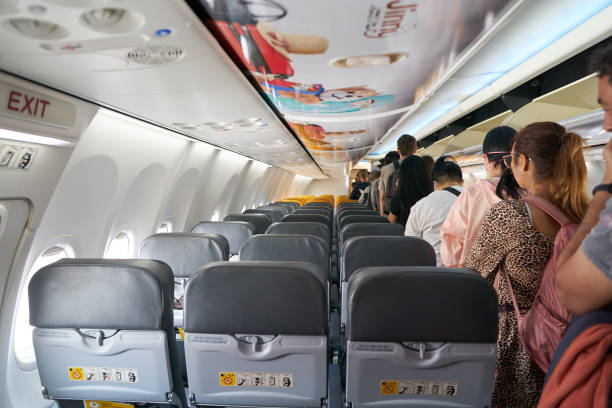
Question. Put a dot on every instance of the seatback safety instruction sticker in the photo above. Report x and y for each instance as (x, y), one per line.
(104, 374)
(239, 379)
(105, 404)
(417, 387)
(16, 157)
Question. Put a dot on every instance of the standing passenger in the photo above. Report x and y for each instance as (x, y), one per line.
(414, 183)
(463, 222)
(365, 197)
(375, 188)
(517, 238)
(360, 185)
(429, 162)
(406, 146)
(427, 215)
(584, 268)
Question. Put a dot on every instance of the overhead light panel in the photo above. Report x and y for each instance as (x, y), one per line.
(27, 137)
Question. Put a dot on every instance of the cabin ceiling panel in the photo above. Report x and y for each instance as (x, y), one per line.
(342, 73)
(154, 60)
(557, 29)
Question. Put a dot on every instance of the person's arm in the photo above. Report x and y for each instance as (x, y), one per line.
(581, 285)
(395, 207)
(453, 232)
(413, 227)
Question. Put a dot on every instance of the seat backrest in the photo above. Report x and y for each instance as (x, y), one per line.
(307, 218)
(383, 250)
(349, 211)
(287, 247)
(351, 205)
(351, 219)
(361, 229)
(319, 204)
(236, 232)
(308, 211)
(293, 205)
(443, 353)
(259, 221)
(184, 252)
(255, 334)
(318, 229)
(274, 214)
(78, 306)
(283, 209)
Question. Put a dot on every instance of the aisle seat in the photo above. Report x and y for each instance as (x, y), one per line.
(283, 209)
(318, 229)
(362, 229)
(274, 214)
(256, 335)
(259, 221)
(420, 336)
(361, 252)
(351, 219)
(104, 331)
(236, 232)
(307, 218)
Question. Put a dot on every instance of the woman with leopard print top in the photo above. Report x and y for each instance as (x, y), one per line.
(548, 163)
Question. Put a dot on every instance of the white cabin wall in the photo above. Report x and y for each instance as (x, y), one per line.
(335, 186)
(122, 174)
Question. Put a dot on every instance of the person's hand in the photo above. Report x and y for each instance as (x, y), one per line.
(607, 155)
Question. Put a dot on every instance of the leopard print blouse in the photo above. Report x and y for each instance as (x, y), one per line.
(508, 236)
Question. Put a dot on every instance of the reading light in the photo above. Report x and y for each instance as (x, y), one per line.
(26, 137)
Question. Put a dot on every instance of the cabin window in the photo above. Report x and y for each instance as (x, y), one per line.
(164, 227)
(24, 349)
(120, 246)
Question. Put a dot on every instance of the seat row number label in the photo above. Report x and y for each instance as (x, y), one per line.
(410, 387)
(234, 379)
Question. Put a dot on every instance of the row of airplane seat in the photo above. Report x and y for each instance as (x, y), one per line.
(271, 328)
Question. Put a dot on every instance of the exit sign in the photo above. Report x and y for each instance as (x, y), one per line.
(25, 104)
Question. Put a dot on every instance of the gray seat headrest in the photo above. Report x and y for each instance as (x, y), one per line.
(134, 294)
(351, 219)
(184, 252)
(283, 209)
(236, 232)
(421, 304)
(354, 205)
(307, 218)
(274, 214)
(286, 247)
(384, 250)
(259, 221)
(293, 205)
(326, 206)
(256, 298)
(347, 211)
(360, 229)
(309, 211)
(317, 229)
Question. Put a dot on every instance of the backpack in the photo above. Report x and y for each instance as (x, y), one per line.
(452, 191)
(543, 326)
(390, 187)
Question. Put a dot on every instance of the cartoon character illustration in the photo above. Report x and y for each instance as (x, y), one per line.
(295, 96)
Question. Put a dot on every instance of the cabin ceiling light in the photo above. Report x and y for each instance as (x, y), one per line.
(102, 18)
(26, 137)
(34, 28)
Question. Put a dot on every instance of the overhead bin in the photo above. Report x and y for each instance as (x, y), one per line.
(572, 100)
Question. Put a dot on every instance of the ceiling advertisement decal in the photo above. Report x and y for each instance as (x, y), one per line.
(339, 71)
